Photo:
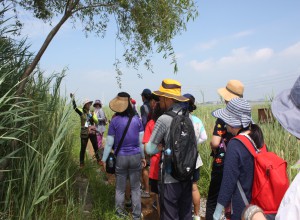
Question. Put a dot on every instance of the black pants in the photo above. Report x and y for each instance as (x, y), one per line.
(213, 192)
(84, 141)
(177, 201)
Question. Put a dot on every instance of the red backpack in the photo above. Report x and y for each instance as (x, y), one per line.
(270, 180)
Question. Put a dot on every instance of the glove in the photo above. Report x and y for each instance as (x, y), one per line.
(218, 211)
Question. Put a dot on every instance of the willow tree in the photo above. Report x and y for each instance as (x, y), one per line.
(143, 26)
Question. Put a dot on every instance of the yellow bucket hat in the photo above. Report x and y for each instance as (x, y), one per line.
(171, 88)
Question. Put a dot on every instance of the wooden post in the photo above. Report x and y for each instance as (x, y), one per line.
(265, 115)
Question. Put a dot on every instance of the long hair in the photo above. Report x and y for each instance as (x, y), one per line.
(256, 135)
(129, 112)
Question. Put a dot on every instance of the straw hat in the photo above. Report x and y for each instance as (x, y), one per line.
(233, 89)
(236, 114)
(86, 101)
(171, 88)
(120, 102)
(286, 109)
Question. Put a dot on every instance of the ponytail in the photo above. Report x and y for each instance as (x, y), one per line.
(257, 135)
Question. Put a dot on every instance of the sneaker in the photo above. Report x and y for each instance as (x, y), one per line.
(154, 205)
(121, 214)
(145, 194)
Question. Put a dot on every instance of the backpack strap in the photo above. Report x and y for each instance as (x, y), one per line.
(242, 192)
(250, 145)
(146, 107)
(123, 136)
(173, 114)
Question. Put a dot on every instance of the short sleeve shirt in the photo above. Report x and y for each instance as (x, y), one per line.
(130, 145)
(155, 159)
(148, 131)
(220, 130)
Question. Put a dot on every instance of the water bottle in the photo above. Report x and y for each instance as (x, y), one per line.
(111, 162)
(168, 161)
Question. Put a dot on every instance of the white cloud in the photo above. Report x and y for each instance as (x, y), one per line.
(214, 42)
(243, 34)
(292, 50)
(237, 56)
(263, 53)
(201, 66)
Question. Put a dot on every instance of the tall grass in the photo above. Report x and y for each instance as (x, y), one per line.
(36, 165)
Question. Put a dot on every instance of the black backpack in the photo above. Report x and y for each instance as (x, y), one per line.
(183, 145)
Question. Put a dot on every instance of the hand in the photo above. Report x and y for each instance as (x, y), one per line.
(144, 162)
(218, 212)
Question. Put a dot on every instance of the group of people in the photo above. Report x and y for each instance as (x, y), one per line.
(144, 140)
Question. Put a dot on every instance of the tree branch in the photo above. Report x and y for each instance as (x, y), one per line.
(93, 6)
(37, 58)
(67, 6)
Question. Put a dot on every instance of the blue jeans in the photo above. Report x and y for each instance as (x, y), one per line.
(129, 166)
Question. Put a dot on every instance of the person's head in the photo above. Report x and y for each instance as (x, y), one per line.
(146, 94)
(154, 100)
(121, 104)
(286, 109)
(169, 93)
(233, 89)
(237, 117)
(190, 104)
(87, 104)
(156, 112)
(97, 104)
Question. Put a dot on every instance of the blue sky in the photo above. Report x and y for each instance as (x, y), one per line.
(256, 42)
